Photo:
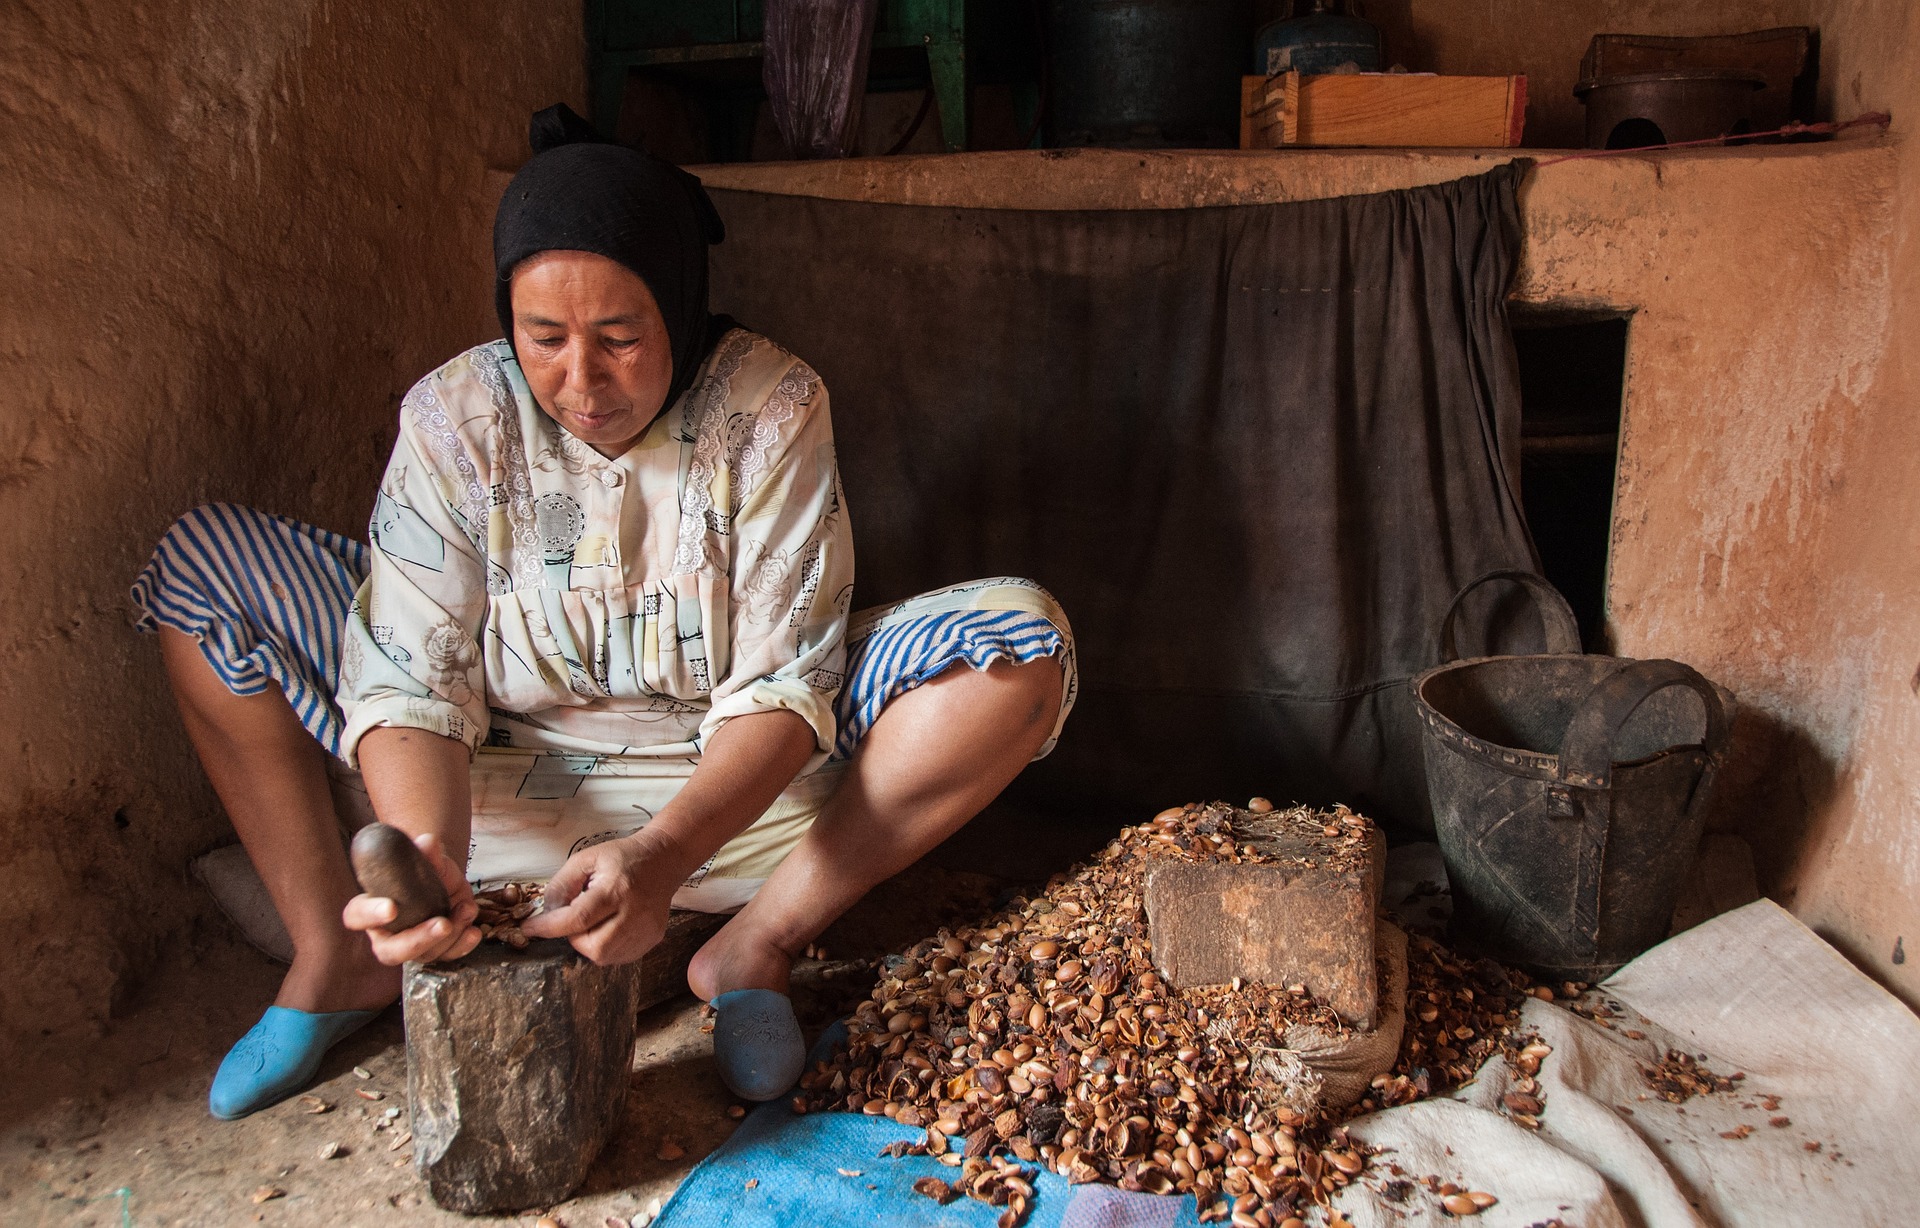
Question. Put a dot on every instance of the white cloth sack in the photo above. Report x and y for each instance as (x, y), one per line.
(1752, 990)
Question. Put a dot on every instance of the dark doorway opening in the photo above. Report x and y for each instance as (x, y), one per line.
(1572, 375)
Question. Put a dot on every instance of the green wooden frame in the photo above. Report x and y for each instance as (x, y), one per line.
(626, 34)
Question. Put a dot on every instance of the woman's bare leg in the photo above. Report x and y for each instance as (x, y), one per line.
(934, 758)
(272, 778)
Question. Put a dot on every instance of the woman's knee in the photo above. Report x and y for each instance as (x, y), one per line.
(1040, 680)
(190, 595)
(1019, 694)
(197, 686)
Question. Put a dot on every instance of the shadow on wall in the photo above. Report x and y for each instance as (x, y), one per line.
(1775, 785)
(1778, 792)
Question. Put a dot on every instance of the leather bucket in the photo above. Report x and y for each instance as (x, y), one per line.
(1567, 792)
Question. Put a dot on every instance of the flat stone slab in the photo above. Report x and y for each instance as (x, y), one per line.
(518, 1060)
(1292, 903)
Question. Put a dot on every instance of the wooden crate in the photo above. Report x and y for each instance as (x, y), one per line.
(1381, 109)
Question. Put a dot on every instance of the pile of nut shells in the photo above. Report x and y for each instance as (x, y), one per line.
(994, 1180)
(1045, 1034)
(1680, 1077)
(503, 908)
(1460, 1012)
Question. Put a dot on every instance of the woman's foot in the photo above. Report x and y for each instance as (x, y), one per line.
(278, 1057)
(339, 974)
(756, 1037)
(738, 958)
(333, 989)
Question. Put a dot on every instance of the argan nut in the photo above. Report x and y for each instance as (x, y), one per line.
(936, 1189)
(1346, 1161)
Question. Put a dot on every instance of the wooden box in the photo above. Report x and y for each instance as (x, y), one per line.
(1381, 109)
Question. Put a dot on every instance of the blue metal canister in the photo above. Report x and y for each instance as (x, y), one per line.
(1320, 36)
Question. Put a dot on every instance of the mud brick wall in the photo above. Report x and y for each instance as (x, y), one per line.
(232, 236)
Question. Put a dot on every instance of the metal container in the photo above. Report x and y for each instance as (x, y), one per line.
(1319, 36)
(1144, 73)
(1633, 110)
(1567, 793)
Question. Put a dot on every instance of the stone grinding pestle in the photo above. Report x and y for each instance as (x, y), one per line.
(389, 864)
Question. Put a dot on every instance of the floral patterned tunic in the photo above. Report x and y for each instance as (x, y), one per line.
(527, 592)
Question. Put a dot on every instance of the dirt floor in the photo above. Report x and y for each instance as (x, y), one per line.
(114, 1130)
(131, 1142)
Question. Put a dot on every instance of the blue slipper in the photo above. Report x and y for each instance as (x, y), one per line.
(756, 1043)
(278, 1058)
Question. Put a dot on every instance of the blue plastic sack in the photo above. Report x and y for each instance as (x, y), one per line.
(799, 1167)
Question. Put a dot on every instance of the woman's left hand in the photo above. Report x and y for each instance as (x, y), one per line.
(610, 900)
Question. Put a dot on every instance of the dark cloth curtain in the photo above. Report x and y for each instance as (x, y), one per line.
(1254, 451)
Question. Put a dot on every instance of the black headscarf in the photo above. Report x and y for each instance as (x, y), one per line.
(582, 193)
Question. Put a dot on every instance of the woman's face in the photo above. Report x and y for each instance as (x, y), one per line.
(593, 346)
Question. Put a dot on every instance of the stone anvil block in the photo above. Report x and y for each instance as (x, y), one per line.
(1297, 909)
(518, 1062)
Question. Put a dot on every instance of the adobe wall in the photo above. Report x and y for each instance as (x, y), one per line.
(230, 241)
(1848, 844)
(1763, 530)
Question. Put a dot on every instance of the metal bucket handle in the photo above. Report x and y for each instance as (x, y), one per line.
(1556, 616)
(1586, 763)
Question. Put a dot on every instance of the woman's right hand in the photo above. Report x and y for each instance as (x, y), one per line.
(447, 937)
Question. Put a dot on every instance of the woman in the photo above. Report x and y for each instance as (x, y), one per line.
(600, 634)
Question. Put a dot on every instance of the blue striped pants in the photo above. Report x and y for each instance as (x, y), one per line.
(267, 599)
